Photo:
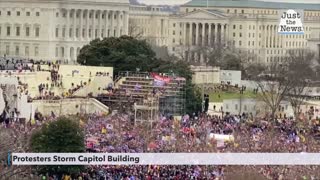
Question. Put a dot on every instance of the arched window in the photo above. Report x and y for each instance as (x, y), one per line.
(57, 51)
(72, 53)
(62, 52)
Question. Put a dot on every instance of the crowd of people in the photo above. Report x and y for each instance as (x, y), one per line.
(52, 88)
(10, 63)
(192, 134)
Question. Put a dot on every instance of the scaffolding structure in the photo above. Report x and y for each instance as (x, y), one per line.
(167, 99)
(173, 102)
(147, 111)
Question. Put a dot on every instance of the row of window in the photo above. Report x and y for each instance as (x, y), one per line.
(18, 13)
(28, 13)
(236, 107)
(287, 36)
(17, 31)
(288, 44)
(73, 52)
(276, 59)
(71, 15)
(235, 11)
(62, 33)
(296, 44)
(19, 51)
(269, 12)
(263, 27)
(282, 51)
(234, 26)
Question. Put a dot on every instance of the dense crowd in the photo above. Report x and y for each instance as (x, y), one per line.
(47, 89)
(11, 63)
(117, 133)
(192, 134)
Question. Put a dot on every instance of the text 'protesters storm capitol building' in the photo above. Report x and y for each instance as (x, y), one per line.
(87, 159)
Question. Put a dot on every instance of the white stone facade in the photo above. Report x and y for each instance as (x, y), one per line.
(254, 31)
(51, 30)
(230, 76)
(251, 32)
(150, 23)
(248, 105)
(58, 29)
(205, 75)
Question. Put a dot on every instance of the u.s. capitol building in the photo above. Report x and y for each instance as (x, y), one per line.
(248, 25)
(57, 29)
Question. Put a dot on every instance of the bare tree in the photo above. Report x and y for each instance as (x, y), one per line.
(288, 80)
(273, 84)
(226, 57)
(252, 70)
(299, 64)
(134, 30)
(181, 52)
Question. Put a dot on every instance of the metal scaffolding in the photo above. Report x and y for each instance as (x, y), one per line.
(147, 111)
(167, 99)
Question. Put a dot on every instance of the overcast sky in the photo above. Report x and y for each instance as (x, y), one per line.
(173, 2)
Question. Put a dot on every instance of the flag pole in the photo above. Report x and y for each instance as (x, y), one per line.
(207, 4)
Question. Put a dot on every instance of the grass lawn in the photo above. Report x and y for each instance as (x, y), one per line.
(214, 97)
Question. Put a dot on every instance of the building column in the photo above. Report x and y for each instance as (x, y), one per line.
(271, 36)
(81, 24)
(111, 23)
(125, 23)
(68, 23)
(210, 34)
(67, 53)
(227, 35)
(74, 23)
(106, 23)
(203, 34)
(219, 27)
(276, 37)
(197, 34)
(99, 24)
(215, 33)
(183, 33)
(119, 23)
(222, 33)
(264, 35)
(190, 38)
(87, 24)
(93, 32)
(268, 37)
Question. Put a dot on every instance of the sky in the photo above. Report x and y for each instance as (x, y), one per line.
(174, 2)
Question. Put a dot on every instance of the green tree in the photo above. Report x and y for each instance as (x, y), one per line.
(123, 54)
(61, 136)
(127, 54)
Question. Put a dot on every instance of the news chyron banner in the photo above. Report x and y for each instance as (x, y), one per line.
(164, 159)
(291, 21)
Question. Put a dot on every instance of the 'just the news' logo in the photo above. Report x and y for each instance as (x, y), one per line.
(291, 22)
